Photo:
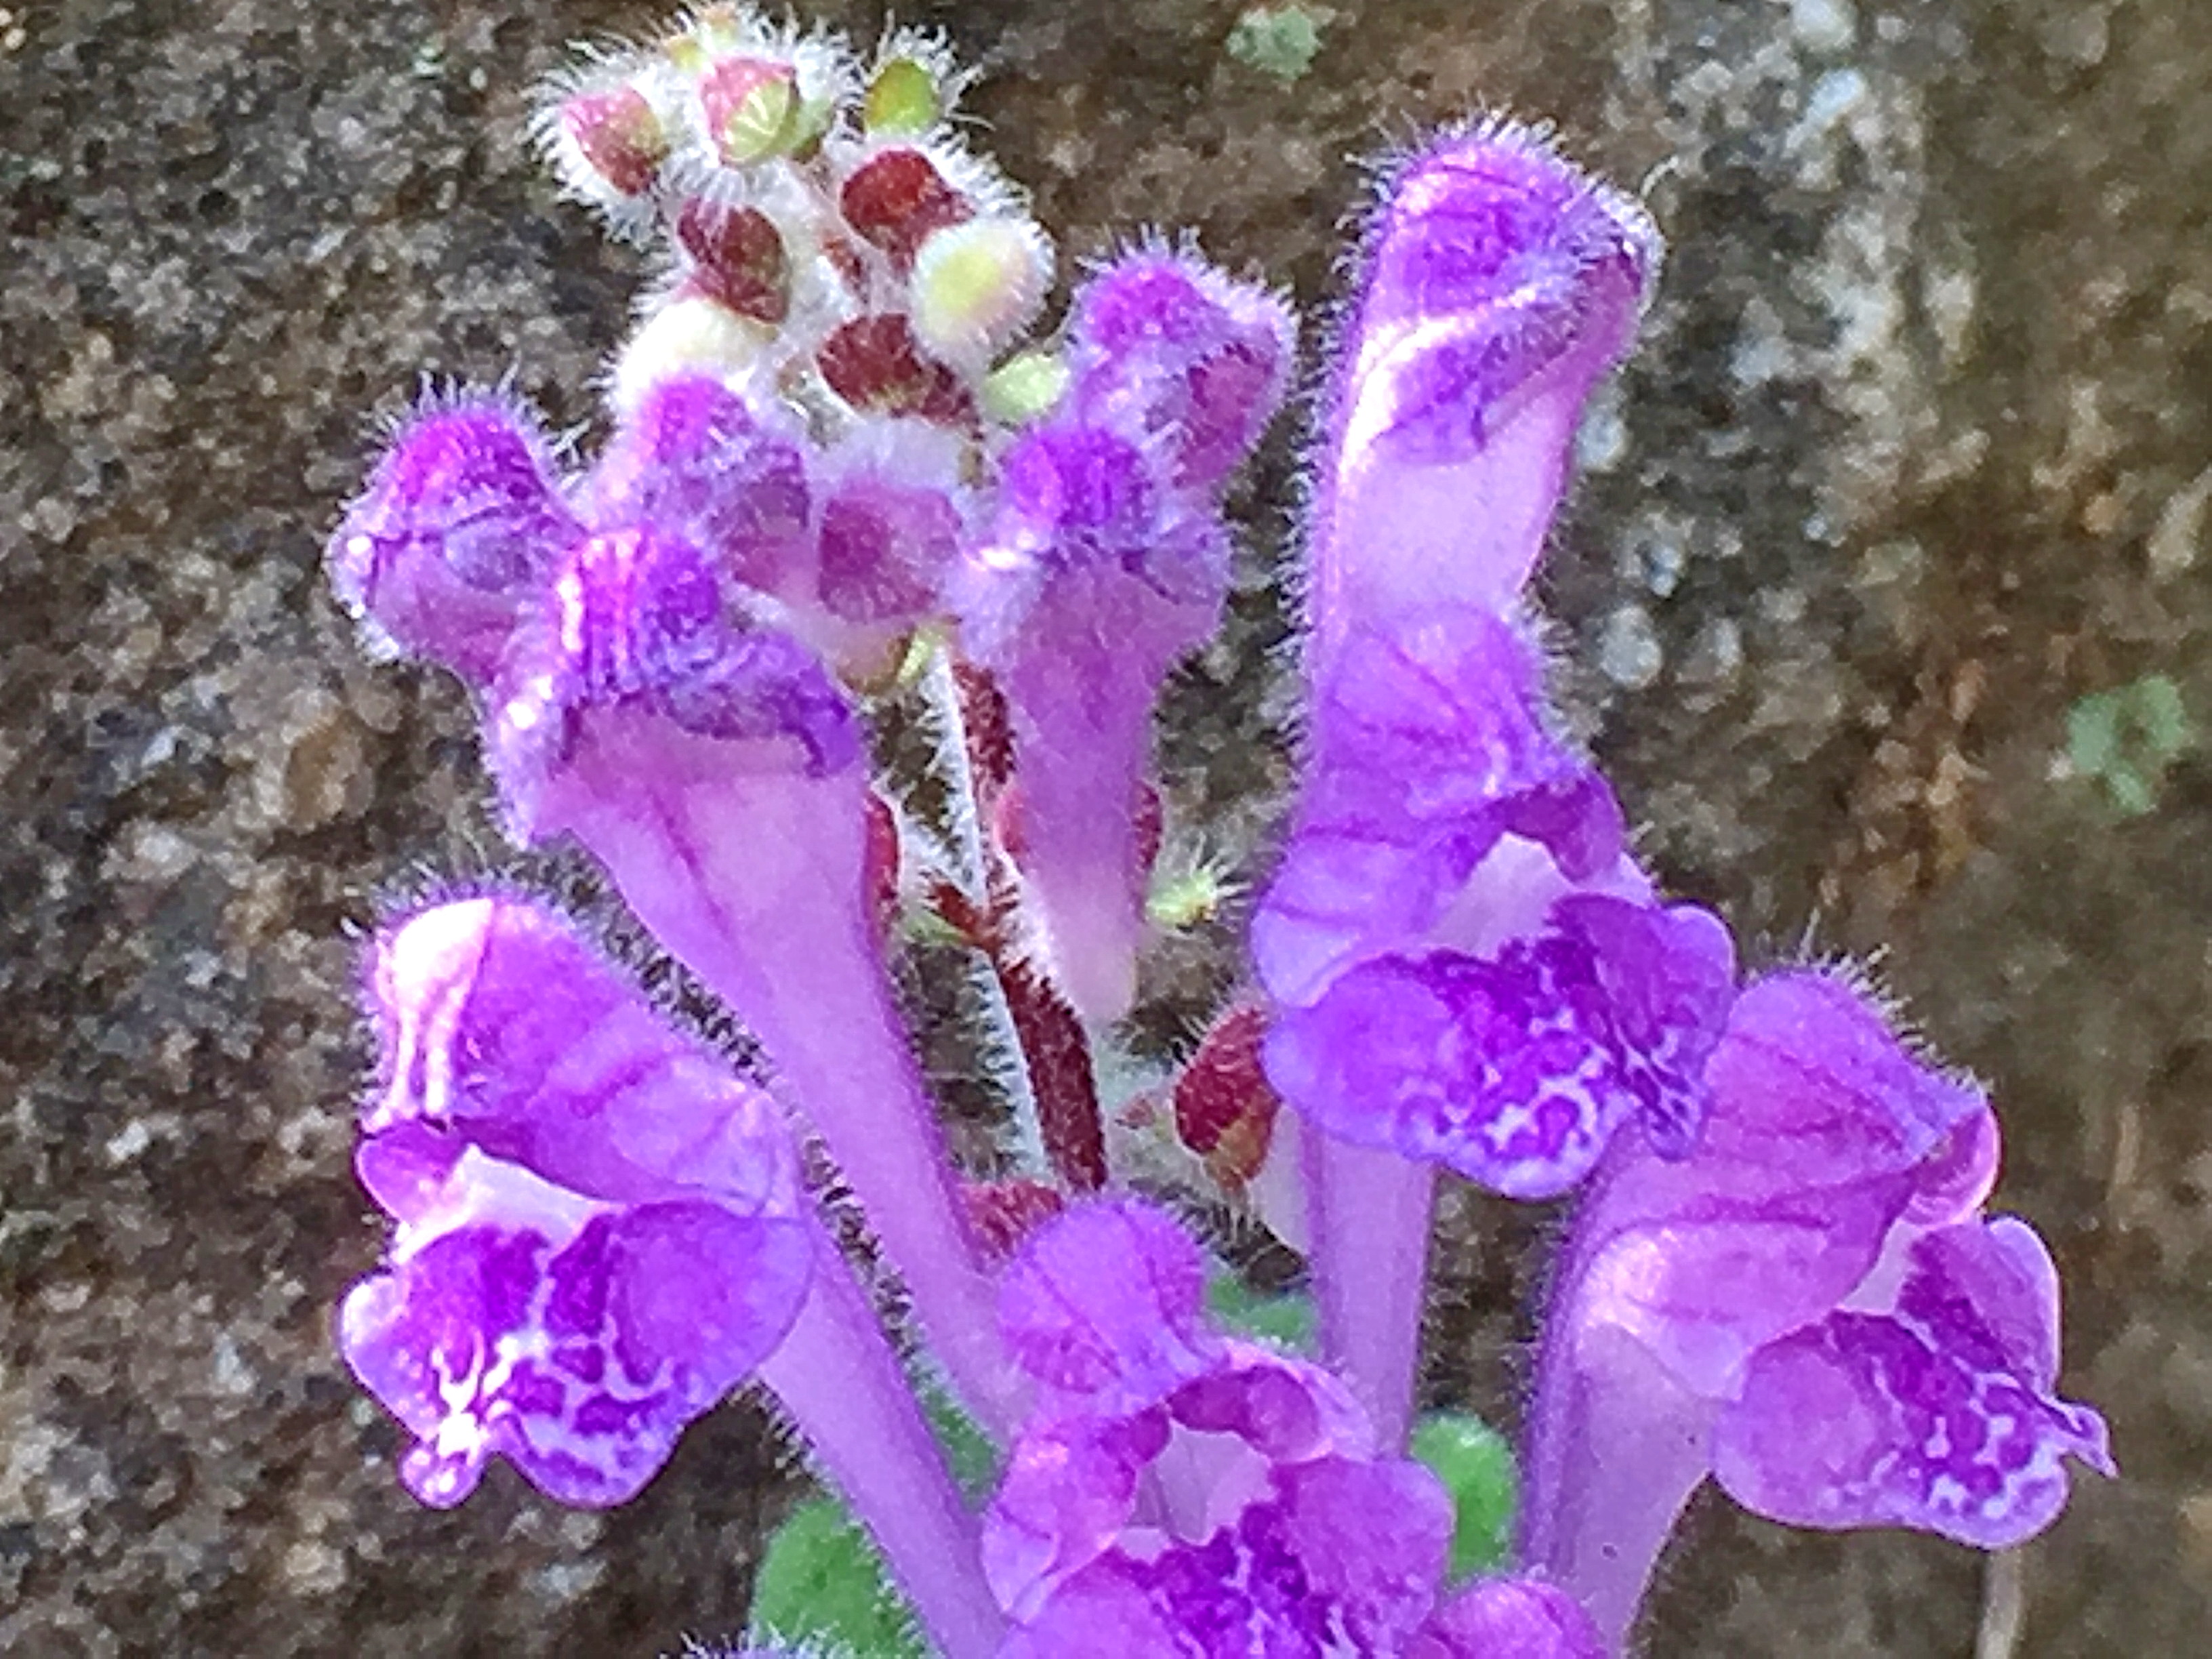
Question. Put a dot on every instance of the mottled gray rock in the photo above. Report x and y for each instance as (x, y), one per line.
(1918, 452)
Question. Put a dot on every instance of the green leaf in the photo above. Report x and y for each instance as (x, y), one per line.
(1287, 1320)
(1476, 1465)
(822, 1583)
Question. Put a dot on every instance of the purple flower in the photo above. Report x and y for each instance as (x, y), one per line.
(1812, 1306)
(1470, 968)
(461, 521)
(653, 689)
(1104, 561)
(1498, 283)
(598, 1226)
(1179, 1493)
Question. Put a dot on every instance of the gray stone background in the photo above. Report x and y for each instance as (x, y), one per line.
(1916, 454)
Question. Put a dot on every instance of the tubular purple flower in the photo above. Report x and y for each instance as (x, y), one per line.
(1811, 1307)
(713, 768)
(462, 518)
(1105, 561)
(1470, 968)
(1181, 1494)
(601, 1232)
(642, 697)
(1499, 282)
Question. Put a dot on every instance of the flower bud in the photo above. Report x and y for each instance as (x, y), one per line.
(976, 285)
(752, 107)
(896, 198)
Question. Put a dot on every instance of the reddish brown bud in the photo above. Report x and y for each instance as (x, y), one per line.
(619, 137)
(875, 363)
(1224, 1107)
(896, 199)
(737, 258)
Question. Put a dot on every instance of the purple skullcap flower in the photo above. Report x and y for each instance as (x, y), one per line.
(462, 518)
(696, 461)
(599, 1230)
(1812, 1306)
(634, 663)
(1499, 284)
(1163, 342)
(1183, 1494)
(1105, 559)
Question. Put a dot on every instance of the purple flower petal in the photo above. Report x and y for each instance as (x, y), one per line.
(1517, 1069)
(462, 516)
(695, 462)
(634, 653)
(1510, 1619)
(1937, 1415)
(1164, 343)
(599, 1227)
(1499, 284)
(1431, 743)
(1106, 1302)
(1335, 1557)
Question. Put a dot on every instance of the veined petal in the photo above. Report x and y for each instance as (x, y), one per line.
(1106, 1304)
(580, 1357)
(599, 1227)
(1517, 1069)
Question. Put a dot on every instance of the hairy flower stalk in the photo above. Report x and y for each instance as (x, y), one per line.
(1469, 966)
(1812, 1308)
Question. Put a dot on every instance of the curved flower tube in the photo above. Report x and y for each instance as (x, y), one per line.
(1812, 1306)
(1469, 967)
(1105, 562)
(642, 698)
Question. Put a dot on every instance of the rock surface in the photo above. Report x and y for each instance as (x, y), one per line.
(1916, 454)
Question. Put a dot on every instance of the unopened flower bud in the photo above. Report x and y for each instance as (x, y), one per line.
(977, 285)
(694, 333)
(903, 99)
(619, 137)
(894, 199)
(875, 363)
(738, 256)
(751, 105)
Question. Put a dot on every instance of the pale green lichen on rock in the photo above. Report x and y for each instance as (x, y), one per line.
(1279, 40)
(2129, 738)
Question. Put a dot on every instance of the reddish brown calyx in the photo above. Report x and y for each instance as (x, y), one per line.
(894, 199)
(737, 258)
(1224, 1107)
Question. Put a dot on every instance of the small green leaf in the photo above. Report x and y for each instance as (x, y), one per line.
(1287, 1320)
(1476, 1465)
(822, 1581)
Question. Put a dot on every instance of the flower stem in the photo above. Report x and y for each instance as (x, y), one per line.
(1369, 1212)
(840, 1381)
